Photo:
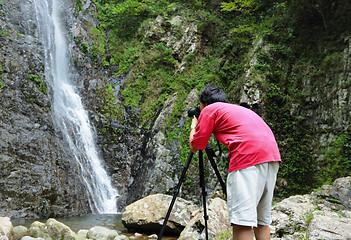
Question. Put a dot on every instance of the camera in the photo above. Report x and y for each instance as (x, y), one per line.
(194, 112)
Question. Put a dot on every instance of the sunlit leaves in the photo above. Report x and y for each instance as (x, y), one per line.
(244, 6)
(133, 7)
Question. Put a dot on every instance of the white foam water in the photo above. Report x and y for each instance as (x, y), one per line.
(69, 114)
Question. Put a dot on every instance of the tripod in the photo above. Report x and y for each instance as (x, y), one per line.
(211, 154)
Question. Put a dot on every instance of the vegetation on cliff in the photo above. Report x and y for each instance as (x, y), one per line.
(280, 43)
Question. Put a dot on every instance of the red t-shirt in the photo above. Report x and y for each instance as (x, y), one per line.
(248, 137)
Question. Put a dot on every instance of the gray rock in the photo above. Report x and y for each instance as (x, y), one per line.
(101, 233)
(31, 238)
(6, 227)
(160, 164)
(325, 227)
(58, 230)
(147, 214)
(314, 216)
(52, 229)
(337, 195)
(19, 232)
(37, 230)
(218, 221)
(121, 237)
(153, 236)
(82, 233)
(288, 215)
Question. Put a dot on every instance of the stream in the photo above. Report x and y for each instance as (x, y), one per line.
(110, 221)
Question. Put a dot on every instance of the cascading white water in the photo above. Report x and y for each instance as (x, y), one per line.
(69, 113)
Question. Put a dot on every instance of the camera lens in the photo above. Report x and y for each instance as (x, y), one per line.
(194, 112)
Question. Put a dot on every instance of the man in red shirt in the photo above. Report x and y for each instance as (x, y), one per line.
(254, 160)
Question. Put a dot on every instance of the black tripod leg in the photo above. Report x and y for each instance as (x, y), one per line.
(202, 184)
(175, 194)
(210, 154)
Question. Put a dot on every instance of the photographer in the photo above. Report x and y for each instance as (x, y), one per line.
(254, 160)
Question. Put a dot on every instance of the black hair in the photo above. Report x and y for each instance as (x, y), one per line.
(211, 94)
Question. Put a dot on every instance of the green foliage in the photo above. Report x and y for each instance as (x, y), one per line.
(99, 39)
(312, 15)
(245, 6)
(332, 62)
(150, 83)
(38, 83)
(126, 16)
(281, 89)
(108, 105)
(35, 78)
(133, 93)
(336, 160)
(293, 135)
(243, 33)
(308, 216)
(5, 33)
(124, 54)
(79, 5)
(112, 110)
(131, 7)
(84, 47)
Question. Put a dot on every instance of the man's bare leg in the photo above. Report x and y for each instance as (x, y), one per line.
(242, 233)
(262, 232)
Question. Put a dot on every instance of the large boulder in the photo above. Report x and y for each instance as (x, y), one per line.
(52, 229)
(101, 233)
(337, 195)
(218, 221)
(37, 230)
(329, 227)
(148, 214)
(19, 232)
(5, 228)
(288, 215)
(323, 214)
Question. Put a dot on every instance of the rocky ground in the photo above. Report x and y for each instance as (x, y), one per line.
(323, 214)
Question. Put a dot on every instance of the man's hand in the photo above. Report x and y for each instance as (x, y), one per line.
(194, 122)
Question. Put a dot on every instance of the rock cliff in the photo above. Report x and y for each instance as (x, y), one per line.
(38, 177)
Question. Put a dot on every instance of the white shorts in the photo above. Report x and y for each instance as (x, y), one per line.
(250, 194)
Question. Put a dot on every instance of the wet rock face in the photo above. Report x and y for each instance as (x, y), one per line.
(36, 176)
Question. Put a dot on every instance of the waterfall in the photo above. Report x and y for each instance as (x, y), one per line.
(68, 111)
